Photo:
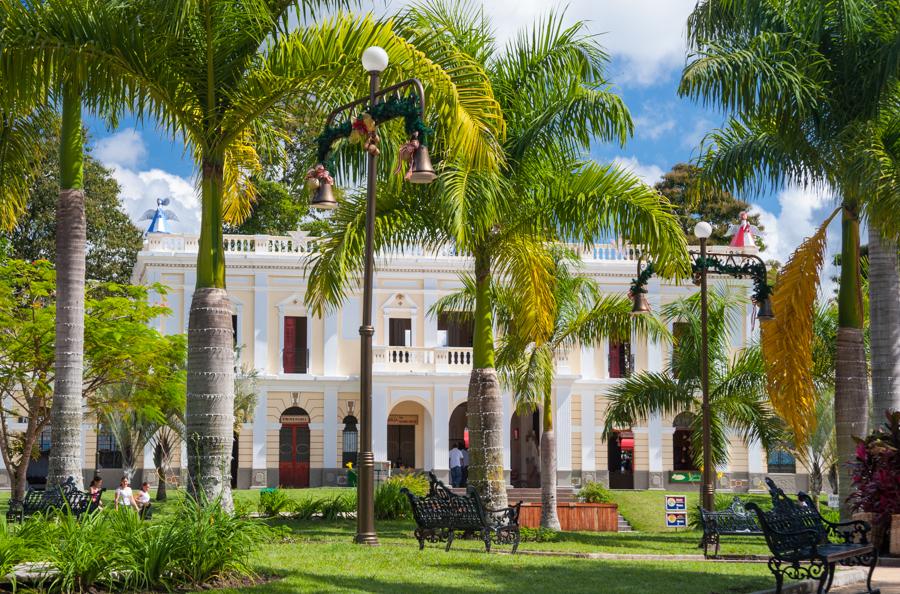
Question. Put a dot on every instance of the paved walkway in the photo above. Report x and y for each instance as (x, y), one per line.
(886, 578)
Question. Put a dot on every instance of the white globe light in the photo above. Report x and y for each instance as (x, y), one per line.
(702, 230)
(374, 59)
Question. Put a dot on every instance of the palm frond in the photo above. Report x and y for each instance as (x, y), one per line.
(637, 397)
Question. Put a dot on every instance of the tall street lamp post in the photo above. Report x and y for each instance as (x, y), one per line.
(702, 231)
(737, 265)
(374, 61)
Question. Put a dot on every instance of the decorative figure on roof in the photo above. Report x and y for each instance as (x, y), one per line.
(742, 234)
(159, 216)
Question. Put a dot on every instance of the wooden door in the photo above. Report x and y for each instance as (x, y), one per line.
(397, 329)
(294, 355)
(402, 446)
(293, 455)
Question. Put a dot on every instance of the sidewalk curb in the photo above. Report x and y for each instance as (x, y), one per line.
(645, 557)
(841, 578)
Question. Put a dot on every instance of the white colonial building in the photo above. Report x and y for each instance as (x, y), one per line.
(304, 428)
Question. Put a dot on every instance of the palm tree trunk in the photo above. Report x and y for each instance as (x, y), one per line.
(549, 518)
(71, 237)
(485, 405)
(884, 324)
(210, 368)
(851, 391)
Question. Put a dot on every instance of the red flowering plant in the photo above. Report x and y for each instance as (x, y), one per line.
(876, 471)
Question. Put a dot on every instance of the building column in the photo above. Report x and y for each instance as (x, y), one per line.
(149, 469)
(654, 423)
(588, 449)
(330, 346)
(603, 372)
(563, 428)
(440, 444)
(260, 465)
(431, 296)
(190, 282)
(261, 322)
(588, 369)
(756, 465)
(329, 429)
(379, 422)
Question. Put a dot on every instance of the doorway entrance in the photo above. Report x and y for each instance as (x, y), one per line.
(458, 432)
(525, 450)
(293, 448)
(620, 454)
(406, 436)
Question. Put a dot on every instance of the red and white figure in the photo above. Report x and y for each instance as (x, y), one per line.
(742, 234)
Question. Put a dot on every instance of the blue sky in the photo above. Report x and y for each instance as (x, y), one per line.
(645, 39)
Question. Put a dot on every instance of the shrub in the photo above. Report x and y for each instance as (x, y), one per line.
(150, 552)
(18, 545)
(875, 471)
(391, 503)
(82, 552)
(274, 501)
(537, 534)
(337, 507)
(593, 492)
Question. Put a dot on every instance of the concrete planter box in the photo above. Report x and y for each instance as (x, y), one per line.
(593, 517)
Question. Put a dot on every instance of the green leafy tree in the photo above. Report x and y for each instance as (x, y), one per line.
(717, 207)
(276, 211)
(555, 99)
(120, 345)
(115, 240)
(806, 82)
(216, 73)
(737, 382)
(582, 316)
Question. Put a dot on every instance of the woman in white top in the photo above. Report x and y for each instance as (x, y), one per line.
(143, 499)
(124, 495)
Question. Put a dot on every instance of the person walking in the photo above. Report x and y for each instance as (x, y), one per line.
(124, 494)
(95, 494)
(465, 466)
(143, 501)
(456, 460)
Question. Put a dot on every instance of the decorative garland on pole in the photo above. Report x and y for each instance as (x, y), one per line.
(752, 268)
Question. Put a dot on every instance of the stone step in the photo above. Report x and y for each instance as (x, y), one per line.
(624, 526)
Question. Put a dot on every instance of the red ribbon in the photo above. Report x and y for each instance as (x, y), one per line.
(407, 154)
(320, 173)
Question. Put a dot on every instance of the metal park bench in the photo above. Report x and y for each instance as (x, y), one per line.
(804, 545)
(733, 521)
(441, 513)
(67, 496)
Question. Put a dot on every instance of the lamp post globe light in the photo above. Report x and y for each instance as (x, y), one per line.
(374, 61)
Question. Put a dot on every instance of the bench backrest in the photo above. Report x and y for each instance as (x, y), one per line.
(442, 508)
(735, 518)
(791, 531)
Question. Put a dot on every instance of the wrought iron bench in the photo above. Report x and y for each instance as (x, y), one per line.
(733, 521)
(804, 545)
(441, 513)
(36, 501)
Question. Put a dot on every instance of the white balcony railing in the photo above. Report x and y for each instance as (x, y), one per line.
(422, 359)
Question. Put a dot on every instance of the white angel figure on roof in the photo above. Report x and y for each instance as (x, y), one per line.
(159, 216)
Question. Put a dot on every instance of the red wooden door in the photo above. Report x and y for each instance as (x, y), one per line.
(293, 455)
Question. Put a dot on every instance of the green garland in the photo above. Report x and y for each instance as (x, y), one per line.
(752, 268)
(395, 107)
(755, 270)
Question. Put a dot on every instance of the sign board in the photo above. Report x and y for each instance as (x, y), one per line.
(676, 511)
(294, 419)
(834, 500)
(685, 476)
(403, 419)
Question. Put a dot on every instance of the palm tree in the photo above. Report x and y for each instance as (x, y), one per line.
(737, 382)
(582, 315)
(550, 83)
(216, 73)
(804, 80)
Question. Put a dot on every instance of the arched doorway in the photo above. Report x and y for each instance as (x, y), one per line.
(406, 436)
(293, 448)
(458, 432)
(525, 449)
(620, 459)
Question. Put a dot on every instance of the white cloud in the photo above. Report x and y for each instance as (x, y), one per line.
(125, 148)
(649, 125)
(649, 173)
(802, 212)
(122, 153)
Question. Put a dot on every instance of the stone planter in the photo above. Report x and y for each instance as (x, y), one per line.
(878, 530)
(895, 535)
(592, 517)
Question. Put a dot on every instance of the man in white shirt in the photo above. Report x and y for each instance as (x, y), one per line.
(456, 460)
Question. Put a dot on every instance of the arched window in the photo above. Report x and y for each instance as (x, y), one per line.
(682, 450)
(350, 441)
(781, 460)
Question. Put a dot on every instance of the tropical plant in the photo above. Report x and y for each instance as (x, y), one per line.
(593, 492)
(391, 503)
(806, 81)
(164, 441)
(555, 99)
(737, 382)
(581, 315)
(875, 471)
(274, 501)
(216, 73)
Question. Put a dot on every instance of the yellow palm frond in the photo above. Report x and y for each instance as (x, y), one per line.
(241, 164)
(787, 340)
(525, 265)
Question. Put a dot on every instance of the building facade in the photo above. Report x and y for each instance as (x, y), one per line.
(305, 425)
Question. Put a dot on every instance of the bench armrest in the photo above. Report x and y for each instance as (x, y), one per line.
(505, 515)
(851, 531)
